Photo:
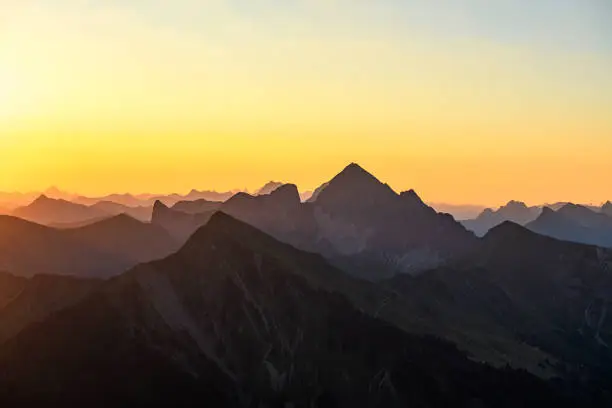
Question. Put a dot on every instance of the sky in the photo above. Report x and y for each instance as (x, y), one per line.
(466, 101)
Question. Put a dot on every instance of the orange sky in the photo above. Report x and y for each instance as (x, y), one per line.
(100, 97)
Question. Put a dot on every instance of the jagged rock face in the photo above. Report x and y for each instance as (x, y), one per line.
(280, 214)
(364, 219)
(355, 220)
(238, 319)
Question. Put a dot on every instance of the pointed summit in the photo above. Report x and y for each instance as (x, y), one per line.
(354, 186)
(43, 198)
(355, 172)
(508, 232)
(159, 206)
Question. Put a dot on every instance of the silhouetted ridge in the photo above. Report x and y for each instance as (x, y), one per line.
(510, 231)
(287, 193)
(547, 211)
(354, 187)
(269, 187)
(159, 206)
(42, 199)
(412, 198)
(354, 173)
(221, 226)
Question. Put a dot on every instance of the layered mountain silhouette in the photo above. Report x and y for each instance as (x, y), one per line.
(127, 238)
(514, 211)
(268, 188)
(141, 213)
(27, 249)
(522, 299)
(209, 195)
(127, 200)
(48, 211)
(197, 206)
(236, 318)
(575, 223)
(102, 249)
(179, 224)
(356, 221)
(24, 301)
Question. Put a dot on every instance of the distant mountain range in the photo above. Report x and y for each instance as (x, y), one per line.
(575, 223)
(520, 213)
(514, 211)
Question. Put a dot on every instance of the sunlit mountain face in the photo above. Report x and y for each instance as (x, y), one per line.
(299, 204)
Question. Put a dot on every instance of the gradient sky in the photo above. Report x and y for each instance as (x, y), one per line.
(473, 101)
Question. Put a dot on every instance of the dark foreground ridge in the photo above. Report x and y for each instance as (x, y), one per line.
(236, 318)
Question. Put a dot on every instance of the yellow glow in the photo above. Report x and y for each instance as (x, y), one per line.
(8, 92)
(103, 100)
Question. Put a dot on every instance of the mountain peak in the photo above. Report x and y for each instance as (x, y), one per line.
(508, 230)
(354, 184)
(158, 205)
(42, 199)
(412, 197)
(513, 204)
(269, 188)
(287, 192)
(354, 169)
(218, 226)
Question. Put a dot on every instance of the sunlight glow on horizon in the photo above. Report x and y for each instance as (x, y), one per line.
(99, 97)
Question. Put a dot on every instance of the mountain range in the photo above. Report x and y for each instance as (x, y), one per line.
(575, 223)
(236, 318)
(359, 296)
(101, 249)
(357, 222)
(520, 213)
